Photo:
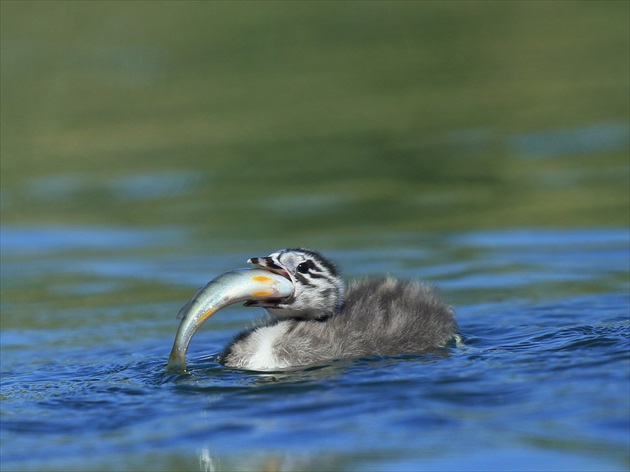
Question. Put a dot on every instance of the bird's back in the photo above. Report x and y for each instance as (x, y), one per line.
(381, 316)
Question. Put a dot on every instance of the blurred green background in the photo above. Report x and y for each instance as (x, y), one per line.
(299, 121)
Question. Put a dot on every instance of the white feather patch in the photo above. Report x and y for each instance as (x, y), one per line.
(264, 340)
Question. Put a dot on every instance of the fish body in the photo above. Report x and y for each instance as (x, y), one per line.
(226, 289)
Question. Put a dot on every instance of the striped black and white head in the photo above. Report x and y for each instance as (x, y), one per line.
(318, 288)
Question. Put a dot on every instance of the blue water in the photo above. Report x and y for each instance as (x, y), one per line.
(541, 382)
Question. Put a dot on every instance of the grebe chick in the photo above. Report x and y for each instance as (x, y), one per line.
(322, 321)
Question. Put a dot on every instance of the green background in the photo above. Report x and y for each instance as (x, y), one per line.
(305, 120)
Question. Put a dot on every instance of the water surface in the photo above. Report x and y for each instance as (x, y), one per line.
(541, 381)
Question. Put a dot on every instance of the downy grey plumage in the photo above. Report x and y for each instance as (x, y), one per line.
(322, 321)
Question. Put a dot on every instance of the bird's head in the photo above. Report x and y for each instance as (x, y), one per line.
(318, 288)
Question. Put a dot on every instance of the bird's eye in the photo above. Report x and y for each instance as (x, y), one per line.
(303, 267)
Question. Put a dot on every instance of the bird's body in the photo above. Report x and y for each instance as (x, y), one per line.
(381, 316)
(313, 318)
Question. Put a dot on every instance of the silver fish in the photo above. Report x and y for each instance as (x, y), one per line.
(230, 287)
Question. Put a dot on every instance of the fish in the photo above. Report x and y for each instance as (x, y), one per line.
(231, 287)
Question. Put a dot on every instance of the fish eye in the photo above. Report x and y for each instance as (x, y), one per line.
(303, 267)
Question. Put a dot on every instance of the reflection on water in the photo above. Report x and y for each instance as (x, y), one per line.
(594, 139)
(206, 464)
(145, 186)
(29, 241)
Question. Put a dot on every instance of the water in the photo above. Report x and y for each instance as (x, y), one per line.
(541, 381)
(480, 146)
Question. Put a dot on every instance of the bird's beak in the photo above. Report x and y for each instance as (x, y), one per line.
(226, 289)
(267, 263)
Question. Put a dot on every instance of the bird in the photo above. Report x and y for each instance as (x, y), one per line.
(323, 320)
